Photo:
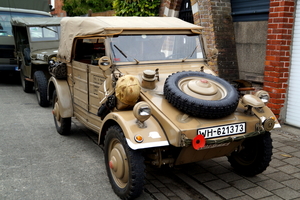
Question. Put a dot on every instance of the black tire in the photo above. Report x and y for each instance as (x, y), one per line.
(63, 125)
(199, 106)
(40, 87)
(127, 177)
(254, 157)
(26, 85)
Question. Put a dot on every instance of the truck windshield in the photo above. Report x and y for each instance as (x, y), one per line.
(47, 33)
(135, 48)
(6, 16)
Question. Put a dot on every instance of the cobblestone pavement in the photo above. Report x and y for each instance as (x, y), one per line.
(215, 179)
(37, 163)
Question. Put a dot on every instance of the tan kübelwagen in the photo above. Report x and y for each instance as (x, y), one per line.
(142, 84)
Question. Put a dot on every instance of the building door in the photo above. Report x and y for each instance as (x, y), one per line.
(293, 97)
(185, 12)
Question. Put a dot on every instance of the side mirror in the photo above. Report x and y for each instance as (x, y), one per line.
(104, 63)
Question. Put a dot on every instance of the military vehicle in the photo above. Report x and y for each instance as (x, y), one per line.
(144, 86)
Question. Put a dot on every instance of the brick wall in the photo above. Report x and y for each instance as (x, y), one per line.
(58, 12)
(215, 17)
(277, 64)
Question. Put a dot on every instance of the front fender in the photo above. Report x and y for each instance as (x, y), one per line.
(63, 94)
(266, 113)
(152, 134)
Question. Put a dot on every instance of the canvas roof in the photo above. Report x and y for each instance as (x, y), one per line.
(72, 27)
(35, 21)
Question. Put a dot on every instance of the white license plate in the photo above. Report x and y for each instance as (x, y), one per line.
(219, 131)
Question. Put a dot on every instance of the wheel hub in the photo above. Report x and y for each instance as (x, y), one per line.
(202, 88)
(117, 164)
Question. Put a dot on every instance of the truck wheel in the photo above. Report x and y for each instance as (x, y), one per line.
(201, 95)
(26, 85)
(63, 125)
(40, 87)
(125, 167)
(254, 156)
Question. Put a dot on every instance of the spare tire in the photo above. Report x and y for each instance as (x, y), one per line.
(201, 95)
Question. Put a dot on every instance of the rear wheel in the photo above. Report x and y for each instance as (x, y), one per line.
(26, 85)
(63, 125)
(40, 87)
(125, 167)
(254, 155)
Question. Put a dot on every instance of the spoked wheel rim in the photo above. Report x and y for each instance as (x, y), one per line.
(118, 163)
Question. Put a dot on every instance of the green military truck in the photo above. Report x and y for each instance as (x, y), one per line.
(8, 10)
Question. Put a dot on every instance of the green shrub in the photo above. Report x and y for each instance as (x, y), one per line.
(136, 7)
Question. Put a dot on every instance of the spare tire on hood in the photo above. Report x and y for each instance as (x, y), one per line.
(201, 95)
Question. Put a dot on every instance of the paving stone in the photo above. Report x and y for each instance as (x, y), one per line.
(279, 176)
(217, 184)
(277, 162)
(166, 191)
(294, 184)
(270, 170)
(151, 188)
(257, 192)
(293, 161)
(231, 176)
(245, 197)
(229, 193)
(218, 170)
(287, 193)
(288, 149)
(204, 177)
(160, 196)
(257, 178)
(242, 184)
(270, 184)
(289, 169)
(273, 197)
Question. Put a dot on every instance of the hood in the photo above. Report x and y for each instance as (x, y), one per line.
(167, 113)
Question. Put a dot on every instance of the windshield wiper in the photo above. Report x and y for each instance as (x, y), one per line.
(137, 62)
(49, 29)
(191, 54)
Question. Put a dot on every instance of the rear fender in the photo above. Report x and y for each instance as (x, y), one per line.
(63, 94)
(153, 135)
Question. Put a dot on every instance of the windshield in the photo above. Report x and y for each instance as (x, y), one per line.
(5, 18)
(45, 33)
(136, 48)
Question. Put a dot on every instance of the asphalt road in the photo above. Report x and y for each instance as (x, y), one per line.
(38, 163)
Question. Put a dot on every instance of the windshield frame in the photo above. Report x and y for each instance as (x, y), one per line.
(136, 60)
(43, 30)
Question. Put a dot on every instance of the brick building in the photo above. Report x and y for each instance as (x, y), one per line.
(270, 67)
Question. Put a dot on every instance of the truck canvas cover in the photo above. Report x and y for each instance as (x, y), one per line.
(72, 27)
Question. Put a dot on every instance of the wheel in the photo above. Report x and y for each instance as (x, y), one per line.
(201, 95)
(63, 125)
(26, 85)
(254, 156)
(125, 167)
(40, 87)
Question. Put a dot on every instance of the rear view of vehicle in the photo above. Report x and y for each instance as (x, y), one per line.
(8, 59)
(36, 42)
(144, 86)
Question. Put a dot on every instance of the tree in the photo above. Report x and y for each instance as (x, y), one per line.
(136, 7)
(81, 7)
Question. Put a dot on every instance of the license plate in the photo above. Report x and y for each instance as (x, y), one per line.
(219, 131)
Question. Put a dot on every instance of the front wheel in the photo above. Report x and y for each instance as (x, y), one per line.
(40, 87)
(125, 167)
(254, 155)
(63, 125)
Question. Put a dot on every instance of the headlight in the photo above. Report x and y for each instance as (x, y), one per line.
(263, 95)
(40, 56)
(142, 111)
